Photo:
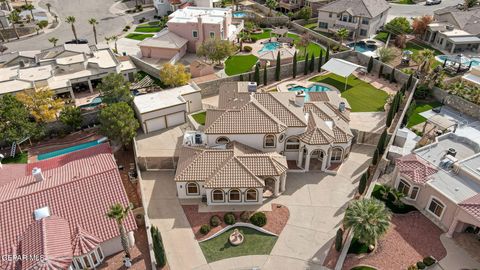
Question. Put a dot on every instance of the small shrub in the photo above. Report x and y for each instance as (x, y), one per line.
(339, 240)
(412, 267)
(247, 48)
(421, 265)
(429, 260)
(229, 218)
(215, 221)
(205, 229)
(142, 20)
(127, 27)
(259, 219)
(245, 216)
(254, 39)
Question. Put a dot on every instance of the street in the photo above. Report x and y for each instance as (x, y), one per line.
(108, 23)
(400, 10)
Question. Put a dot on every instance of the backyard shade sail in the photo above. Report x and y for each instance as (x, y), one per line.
(341, 68)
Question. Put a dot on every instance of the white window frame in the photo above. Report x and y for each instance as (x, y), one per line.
(213, 197)
(334, 157)
(239, 195)
(439, 201)
(192, 194)
(221, 138)
(195, 33)
(256, 195)
(79, 262)
(287, 143)
(405, 184)
(265, 141)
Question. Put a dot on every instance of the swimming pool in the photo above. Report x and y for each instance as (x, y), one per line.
(70, 149)
(269, 46)
(93, 103)
(312, 88)
(239, 14)
(362, 46)
(465, 60)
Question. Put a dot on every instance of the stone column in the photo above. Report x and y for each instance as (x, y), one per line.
(453, 48)
(452, 228)
(276, 188)
(283, 181)
(307, 162)
(90, 86)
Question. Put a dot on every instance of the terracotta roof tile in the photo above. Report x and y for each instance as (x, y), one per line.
(416, 169)
(9, 172)
(472, 206)
(279, 104)
(84, 242)
(318, 132)
(234, 174)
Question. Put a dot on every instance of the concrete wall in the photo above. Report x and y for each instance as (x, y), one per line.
(319, 38)
(456, 102)
(114, 245)
(146, 67)
(161, 53)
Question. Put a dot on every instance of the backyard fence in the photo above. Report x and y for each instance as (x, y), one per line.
(146, 67)
(458, 103)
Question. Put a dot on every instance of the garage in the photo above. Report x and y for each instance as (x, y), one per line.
(155, 124)
(176, 119)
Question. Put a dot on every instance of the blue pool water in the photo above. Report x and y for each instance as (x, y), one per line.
(465, 60)
(70, 149)
(239, 14)
(269, 46)
(362, 47)
(93, 103)
(313, 88)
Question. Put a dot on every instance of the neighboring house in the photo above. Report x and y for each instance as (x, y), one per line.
(193, 25)
(290, 5)
(54, 211)
(455, 30)
(315, 5)
(362, 17)
(443, 181)
(165, 7)
(242, 154)
(168, 108)
(65, 69)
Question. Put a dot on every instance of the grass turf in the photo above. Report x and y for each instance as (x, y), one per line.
(152, 29)
(200, 117)
(255, 243)
(263, 35)
(310, 25)
(139, 36)
(416, 118)
(402, 209)
(382, 36)
(312, 48)
(238, 64)
(361, 96)
(19, 158)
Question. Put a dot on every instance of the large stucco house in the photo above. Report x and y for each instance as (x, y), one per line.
(252, 138)
(165, 7)
(362, 17)
(455, 30)
(442, 180)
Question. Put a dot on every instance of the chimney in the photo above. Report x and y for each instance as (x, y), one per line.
(300, 98)
(37, 173)
(200, 28)
(252, 87)
(341, 106)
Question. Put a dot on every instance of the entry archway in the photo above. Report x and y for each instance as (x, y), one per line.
(316, 160)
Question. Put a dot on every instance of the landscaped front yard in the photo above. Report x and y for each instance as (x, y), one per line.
(238, 64)
(420, 107)
(139, 37)
(361, 96)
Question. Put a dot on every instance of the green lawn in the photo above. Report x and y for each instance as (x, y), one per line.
(416, 47)
(139, 36)
(255, 243)
(150, 29)
(361, 96)
(312, 48)
(238, 64)
(310, 26)
(150, 24)
(416, 118)
(263, 35)
(382, 36)
(200, 117)
(19, 158)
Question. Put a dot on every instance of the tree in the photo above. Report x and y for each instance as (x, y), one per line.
(118, 123)
(369, 219)
(380, 71)
(265, 77)
(114, 88)
(71, 117)
(93, 22)
(342, 34)
(386, 54)
(320, 59)
(53, 40)
(398, 195)
(271, 4)
(327, 55)
(420, 24)
(48, 6)
(376, 155)
(14, 120)
(381, 142)
(362, 184)
(425, 59)
(305, 67)
(398, 26)
(115, 39)
(391, 113)
(42, 104)
(42, 24)
(119, 213)
(312, 63)
(469, 3)
(304, 13)
(278, 67)
(385, 191)
(400, 41)
(14, 17)
(174, 75)
(158, 248)
(256, 76)
(303, 42)
(71, 20)
(30, 8)
(294, 66)
(339, 240)
(370, 65)
(215, 49)
(392, 76)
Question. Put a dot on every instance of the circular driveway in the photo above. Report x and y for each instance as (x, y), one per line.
(420, 9)
(108, 23)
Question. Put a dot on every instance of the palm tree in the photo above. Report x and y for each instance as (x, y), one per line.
(14, 17)
(369, 219)
(342, 34)
(48, 6)
(385, 191)
(115, 39)
(93, 22)
(426, 58)
(271, 4)
(30, 7)
(53, 40)
(71, 20)
(398, 195)
(119, 213)
(107, 39)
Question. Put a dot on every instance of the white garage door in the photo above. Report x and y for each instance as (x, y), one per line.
(155, 124)
(175, 119)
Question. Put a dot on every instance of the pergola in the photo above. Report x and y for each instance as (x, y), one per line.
(280, 31)
(440, 122)
(341, 68)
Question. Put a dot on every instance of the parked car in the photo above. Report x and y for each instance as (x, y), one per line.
(433, 2)
(77, 41)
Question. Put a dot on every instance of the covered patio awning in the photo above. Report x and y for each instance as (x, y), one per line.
(341, 68)
(464, 40)
(246, 3)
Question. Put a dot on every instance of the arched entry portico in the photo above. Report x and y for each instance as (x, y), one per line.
(316, 160)
(271, 187)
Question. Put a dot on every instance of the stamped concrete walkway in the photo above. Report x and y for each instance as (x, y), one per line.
(316, 202)
(457, 258)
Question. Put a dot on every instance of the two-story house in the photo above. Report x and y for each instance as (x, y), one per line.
(362, 17)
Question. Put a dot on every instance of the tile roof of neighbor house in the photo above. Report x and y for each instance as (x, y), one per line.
(415, 168)
(235, 166)
(472, 206)
(164, 39)
(364, 8)
(467, 20)
(78, 187)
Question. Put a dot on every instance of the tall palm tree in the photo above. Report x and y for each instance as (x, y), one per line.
(71, 20)
(14, 17)
(119, 213)
(369, 219)
(426, 58)
(107, 39)
(53, 40)
(271, 4)
(48, 6)
(30, 8)
(115, 39)
(342, 34)
(93, 22)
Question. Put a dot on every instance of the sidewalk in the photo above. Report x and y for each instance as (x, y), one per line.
(456, 258)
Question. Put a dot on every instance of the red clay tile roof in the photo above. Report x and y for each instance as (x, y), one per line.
(80, 191)
(415, 168)
(472, 206)
(8, 172)
(84, 242)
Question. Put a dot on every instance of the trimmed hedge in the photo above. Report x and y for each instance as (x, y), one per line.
(158, 249)
(421, 265)
(247, 48)
(259, 219)
(215, 221)
(229, 218)
(428, 261)
(205, 229)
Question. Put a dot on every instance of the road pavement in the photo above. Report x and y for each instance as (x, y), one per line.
(420, 9)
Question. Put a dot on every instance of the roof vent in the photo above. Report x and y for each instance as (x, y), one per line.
(300, 98)
(341, 106)
(41, 213)
(252, 87)
(449, 27)
(37, 173)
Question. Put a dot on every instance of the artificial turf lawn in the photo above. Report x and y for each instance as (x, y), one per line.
(382, 36)
(200, 117)
(255, 243)
(139, 36)
(19, 158)
(361, 96)
(149, 29)
(310, 25)
(420, 107)
(238, 64)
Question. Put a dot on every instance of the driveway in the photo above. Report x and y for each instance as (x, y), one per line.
(316, 202)
(109, 23)
(409, 11)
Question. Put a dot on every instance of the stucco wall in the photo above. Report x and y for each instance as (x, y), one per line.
(114, 245)
(161, 53)
(242, 199)
(182, 190)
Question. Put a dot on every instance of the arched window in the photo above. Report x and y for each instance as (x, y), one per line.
(269, 141)
(192, 189)
(436, 207)
(292, 144)
(217, 195)
(234, 195)
(336, 154)
(222, 140)
(251, 195)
